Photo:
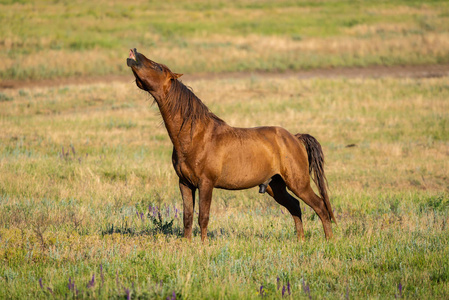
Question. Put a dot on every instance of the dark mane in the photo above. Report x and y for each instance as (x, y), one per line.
(180, 99)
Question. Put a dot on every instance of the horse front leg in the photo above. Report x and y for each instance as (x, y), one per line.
(205, 200)
(188, 200)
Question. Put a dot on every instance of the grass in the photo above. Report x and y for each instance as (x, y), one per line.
(53, 39)
(89, 204)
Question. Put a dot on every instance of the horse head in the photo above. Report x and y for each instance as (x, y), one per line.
(150, 76)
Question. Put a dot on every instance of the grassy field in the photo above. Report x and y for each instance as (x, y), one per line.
(89, 204)
(52, 39)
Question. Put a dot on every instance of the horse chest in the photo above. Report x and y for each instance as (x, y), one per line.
(184, 168)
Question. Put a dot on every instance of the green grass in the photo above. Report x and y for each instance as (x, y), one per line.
(80, 166)
(51, 39)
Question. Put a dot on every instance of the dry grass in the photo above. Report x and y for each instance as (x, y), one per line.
(42, 40)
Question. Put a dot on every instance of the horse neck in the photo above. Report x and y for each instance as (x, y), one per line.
(180, 127)
(179, 134)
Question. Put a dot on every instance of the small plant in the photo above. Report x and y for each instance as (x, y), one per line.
(399, 295)
(46, 290)
(121, 229)
(5, 98)
(305, 289)
(91, 283)
(40, 225)
(76, 220)
(70, 154)
(162, 226)
(261, 291)
(172, 297)
(142, 227)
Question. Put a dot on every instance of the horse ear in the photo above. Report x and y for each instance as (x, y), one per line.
(176, 75)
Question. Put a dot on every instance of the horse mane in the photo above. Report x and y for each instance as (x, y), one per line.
(181, 99)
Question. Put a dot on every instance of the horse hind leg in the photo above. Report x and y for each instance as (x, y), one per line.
(277, 190)
(306, 193)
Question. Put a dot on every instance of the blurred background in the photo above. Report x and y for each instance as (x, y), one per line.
(55, 39)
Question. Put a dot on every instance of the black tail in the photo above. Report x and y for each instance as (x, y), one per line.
(316, 168)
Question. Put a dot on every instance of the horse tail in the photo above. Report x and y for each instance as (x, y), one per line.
(316, 168)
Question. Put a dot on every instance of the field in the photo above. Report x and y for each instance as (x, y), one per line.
(89, 201)
(85, 171)
(53, 39)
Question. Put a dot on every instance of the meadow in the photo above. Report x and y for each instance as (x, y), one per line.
(90, 208)
(89, 201)
(53, 39)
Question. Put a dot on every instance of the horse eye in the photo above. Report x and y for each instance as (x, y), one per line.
(159, 68)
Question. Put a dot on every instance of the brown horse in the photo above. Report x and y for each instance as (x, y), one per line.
(208, 153)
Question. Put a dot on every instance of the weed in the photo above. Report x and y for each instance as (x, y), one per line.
(162, 226)
(5, 98)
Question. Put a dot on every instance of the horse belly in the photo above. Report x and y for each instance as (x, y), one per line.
(245, 169)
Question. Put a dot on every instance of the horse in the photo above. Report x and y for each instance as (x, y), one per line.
(208, 153)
